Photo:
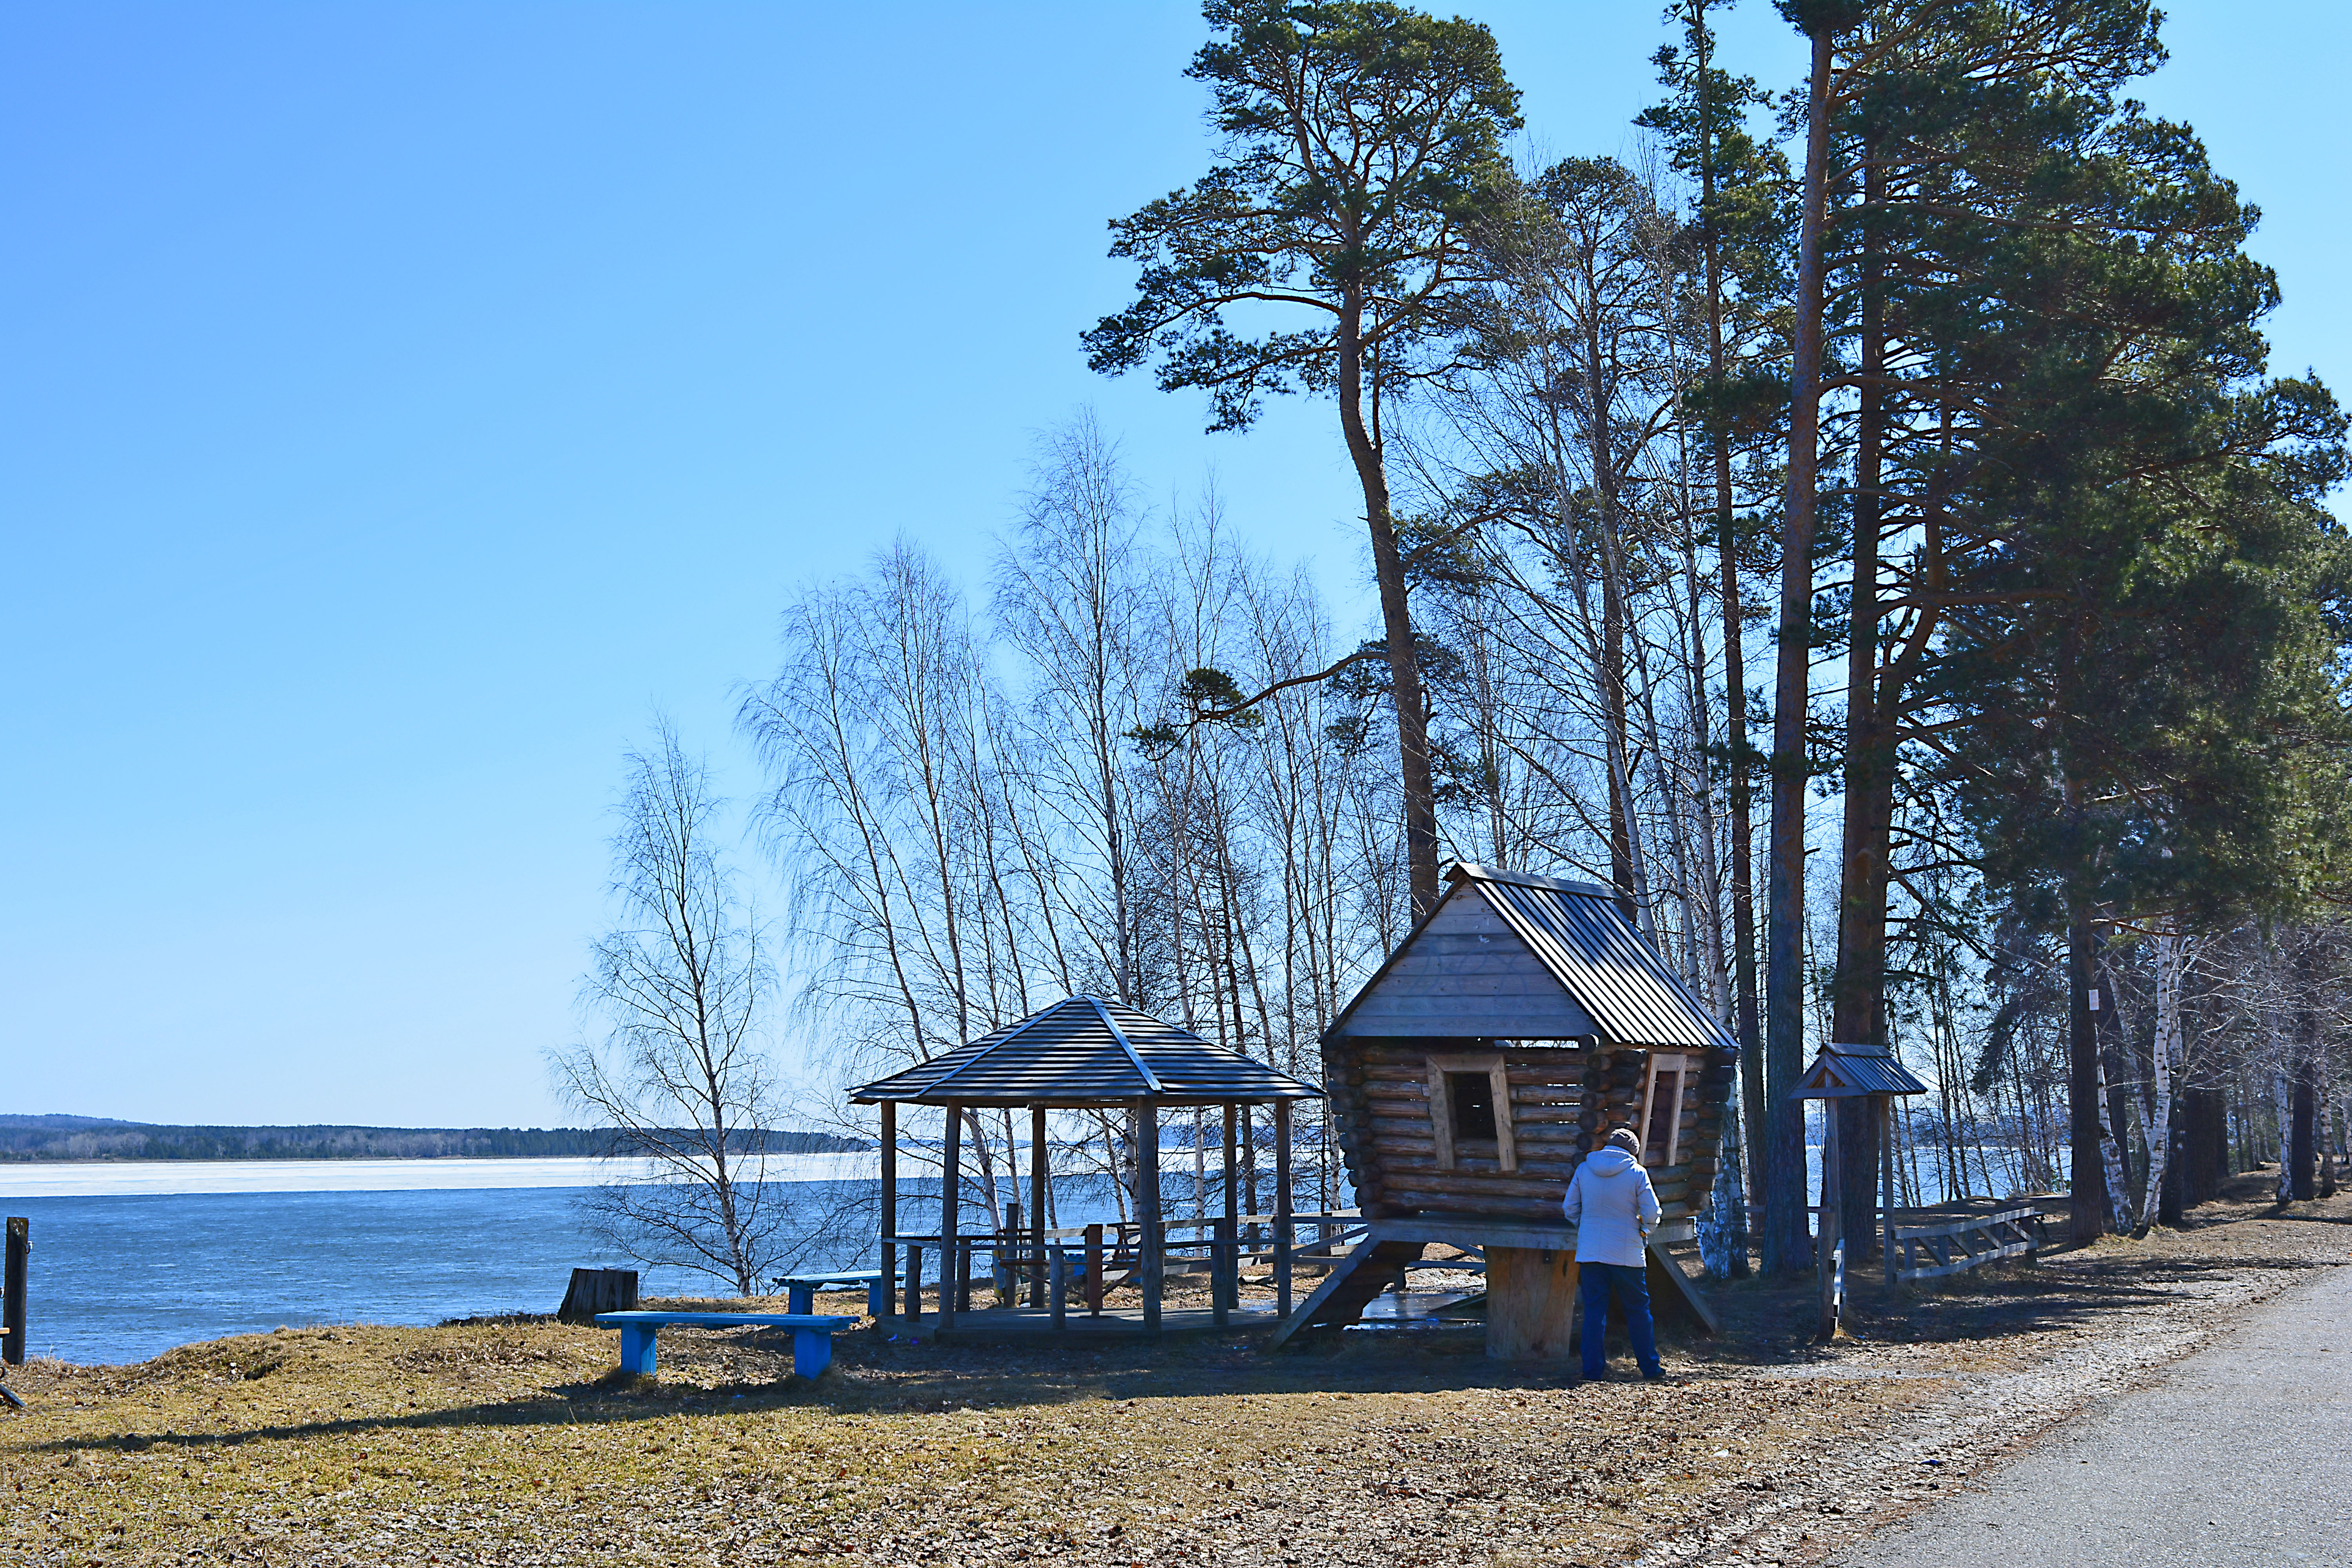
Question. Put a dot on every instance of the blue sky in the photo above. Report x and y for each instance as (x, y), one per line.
(401, 401)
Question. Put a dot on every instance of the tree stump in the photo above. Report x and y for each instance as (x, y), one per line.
(595, 1291)
(1531, 1304)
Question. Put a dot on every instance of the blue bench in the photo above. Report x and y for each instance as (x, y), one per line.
(800, 1289)
(812, 1334)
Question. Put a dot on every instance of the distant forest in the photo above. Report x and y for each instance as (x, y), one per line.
(95, 1138)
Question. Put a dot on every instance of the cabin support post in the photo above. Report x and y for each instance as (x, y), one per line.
(1282, 1228)
(1147, 1208)
(950, 1201)
(890, 1209)
(1037, 1178)
(1532, 1309)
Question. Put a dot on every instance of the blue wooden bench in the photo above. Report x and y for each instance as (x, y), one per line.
(800, 1289)
(812, 1334)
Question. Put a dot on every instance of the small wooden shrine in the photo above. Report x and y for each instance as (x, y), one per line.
(1522, 1021)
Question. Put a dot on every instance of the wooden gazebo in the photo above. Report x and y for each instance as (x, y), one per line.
(1518, 1024)
(1083, 1052)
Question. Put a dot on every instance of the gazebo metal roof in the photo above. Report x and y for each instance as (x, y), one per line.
(1084, 1051)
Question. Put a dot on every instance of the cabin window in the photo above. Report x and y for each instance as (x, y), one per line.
(1662, 1109)
(1473, 1095)
(1470, 1109)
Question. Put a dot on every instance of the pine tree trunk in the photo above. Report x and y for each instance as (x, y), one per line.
(1784, 1225)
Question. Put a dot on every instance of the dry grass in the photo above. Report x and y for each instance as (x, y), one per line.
(515, 1443)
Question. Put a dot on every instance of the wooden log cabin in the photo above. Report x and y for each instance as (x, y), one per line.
(1519, 1024)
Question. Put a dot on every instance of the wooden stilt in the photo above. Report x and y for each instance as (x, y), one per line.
(1147, 1205)
(1531, 1303)
(1037, 1178)
(1281, 1226)
(889, 1203)
(950, 1201)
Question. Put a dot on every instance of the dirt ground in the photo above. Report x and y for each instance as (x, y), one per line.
(515, 1442)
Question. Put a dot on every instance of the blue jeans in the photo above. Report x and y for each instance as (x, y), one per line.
(1596, 1282)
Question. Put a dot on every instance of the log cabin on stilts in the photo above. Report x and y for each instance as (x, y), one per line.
(1522, 1021)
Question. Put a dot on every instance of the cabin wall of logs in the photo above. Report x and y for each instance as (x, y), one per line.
(1560, 1102)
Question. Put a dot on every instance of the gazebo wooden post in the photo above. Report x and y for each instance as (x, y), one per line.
(1231, 1234)
(1147, 1208)
(889, 1209)
(950, 1200)
(1038, 1202)
(1282, 1207)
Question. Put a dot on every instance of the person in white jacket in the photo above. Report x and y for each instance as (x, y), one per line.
(1614, 1208)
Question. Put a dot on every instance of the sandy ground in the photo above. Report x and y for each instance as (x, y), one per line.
(514, 1442)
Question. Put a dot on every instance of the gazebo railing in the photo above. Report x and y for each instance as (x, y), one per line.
(1075, 1268)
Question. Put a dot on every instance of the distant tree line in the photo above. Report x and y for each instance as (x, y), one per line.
(25, 1138)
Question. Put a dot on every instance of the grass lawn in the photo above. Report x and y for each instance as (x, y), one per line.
(515, 1442)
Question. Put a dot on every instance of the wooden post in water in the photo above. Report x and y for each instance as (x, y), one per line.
(1037, 1176)
(1147, 1209)
(1281, 1226)
(12, 1290)
(950, 1201)
(890, 1208)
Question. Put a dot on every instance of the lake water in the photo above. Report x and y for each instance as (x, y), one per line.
(129, 1259)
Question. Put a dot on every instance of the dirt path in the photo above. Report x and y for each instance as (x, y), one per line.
(2241, 1453)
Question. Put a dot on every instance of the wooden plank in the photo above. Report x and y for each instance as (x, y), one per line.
(1972, 1261)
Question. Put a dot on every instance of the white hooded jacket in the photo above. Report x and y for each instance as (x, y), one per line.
(1613, 1207)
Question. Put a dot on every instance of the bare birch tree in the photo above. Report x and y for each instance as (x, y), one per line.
(682, 1073)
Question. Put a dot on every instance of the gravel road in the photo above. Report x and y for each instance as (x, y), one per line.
(2241, 1453)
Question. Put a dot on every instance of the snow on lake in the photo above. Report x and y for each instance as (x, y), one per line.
(104, 1178)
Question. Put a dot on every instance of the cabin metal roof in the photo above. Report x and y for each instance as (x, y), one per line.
(1843, 1071)
(1584, 940)
(1084, 1050)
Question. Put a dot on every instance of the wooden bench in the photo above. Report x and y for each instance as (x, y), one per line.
(812, 1334)
(800, 1289)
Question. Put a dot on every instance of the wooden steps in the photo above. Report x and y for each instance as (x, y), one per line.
(1349, 1288)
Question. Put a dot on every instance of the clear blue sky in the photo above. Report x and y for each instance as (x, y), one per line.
(399, 401)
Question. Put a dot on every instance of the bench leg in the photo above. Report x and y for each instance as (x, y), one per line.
(801, 1299)
(637, 1350)
(812, 1351)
